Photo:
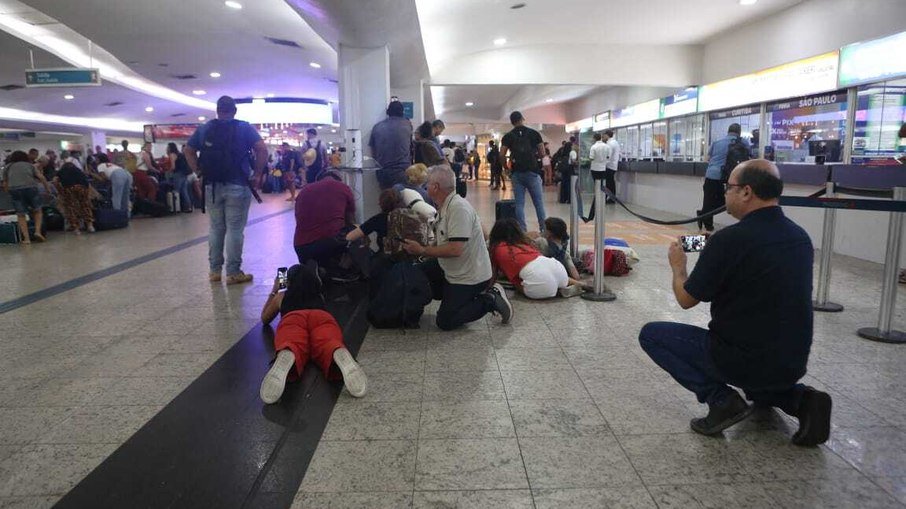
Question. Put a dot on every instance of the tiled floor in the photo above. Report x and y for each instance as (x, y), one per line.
(559, 409)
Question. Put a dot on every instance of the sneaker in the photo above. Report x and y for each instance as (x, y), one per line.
(570, 291)
(214, 277)
(814, 418)
(238, 278)
(353, 376)
(501, 303)
(721, 416)
(275, 380)
(91, 229)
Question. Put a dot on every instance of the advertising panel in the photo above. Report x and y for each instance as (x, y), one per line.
(636, 114)
(806, 127)
(876, 60)
(677, 105)
(602, 121)
(803, 77)
(153, 133)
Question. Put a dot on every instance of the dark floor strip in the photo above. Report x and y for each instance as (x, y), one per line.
(65, 286)
(216, 444)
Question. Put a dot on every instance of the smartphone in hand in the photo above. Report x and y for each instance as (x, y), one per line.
(693, 243)
(281, 277)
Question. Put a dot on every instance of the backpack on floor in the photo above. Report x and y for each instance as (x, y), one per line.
(400, 300)
(404, 223)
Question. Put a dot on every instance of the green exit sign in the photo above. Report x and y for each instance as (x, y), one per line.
(62, 78)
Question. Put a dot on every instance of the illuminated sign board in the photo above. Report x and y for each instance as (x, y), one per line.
(876, 60)
(636, 114)
(601, 122)
(803, 77)
(287, 111)
(676, 105)
(580, 125)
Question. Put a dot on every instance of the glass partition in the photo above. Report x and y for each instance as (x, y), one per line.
(808, 127)
(749, 118)
(687, 138)
(659, 140)
(880, 111)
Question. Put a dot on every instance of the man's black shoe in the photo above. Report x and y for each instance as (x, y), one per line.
(814, 418)
(721, 416)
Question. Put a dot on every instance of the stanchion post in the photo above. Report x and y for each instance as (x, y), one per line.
(601, 293)
(824, 266)
(883, 332)
(573, 216)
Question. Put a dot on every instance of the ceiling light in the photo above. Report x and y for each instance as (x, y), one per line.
(270, 95)
(549, 100)
(320, 126)
(747, 2)
(333, 130)
(199, 92)
(470, 103)
(69, 97)
(202, 118)
(215, 74)
(233, 5)
(500, 41)
(315, 65)
(149, 109)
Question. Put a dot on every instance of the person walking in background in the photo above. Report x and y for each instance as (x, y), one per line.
(496, 168)
(226, 144)
(713, 188)
(391, 145)
(525, 147)
(20, 179)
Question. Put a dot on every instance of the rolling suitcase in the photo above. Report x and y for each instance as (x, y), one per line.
(110, 219)
(504, 209)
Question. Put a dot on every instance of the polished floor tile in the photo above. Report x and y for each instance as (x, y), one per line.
(489, 463)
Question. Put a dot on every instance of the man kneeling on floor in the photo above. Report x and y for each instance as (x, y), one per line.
(757, 274)
(306, 331)
(460, 274)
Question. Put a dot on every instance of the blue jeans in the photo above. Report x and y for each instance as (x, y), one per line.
(531, 181)
(181, 186)
(684, 352)
(120, 189)
(228, 209)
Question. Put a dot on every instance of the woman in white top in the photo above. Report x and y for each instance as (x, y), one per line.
(120, 182)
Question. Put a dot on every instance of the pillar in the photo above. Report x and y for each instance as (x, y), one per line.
(95, 138)
(364, 91)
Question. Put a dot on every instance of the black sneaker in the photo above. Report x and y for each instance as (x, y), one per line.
(721, 416)
(814, 418)
(502, 304)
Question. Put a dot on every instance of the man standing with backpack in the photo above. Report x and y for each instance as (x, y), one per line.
(723, 155)
(226, 145)
(313, 168)
(525, 147)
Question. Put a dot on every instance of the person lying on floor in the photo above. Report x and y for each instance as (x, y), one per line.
(514, 254)
(553, 242)
(306, 331)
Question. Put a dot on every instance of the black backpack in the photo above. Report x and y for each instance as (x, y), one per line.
(459, 156)
(400, 300)
(522, 151)
(217, 162)
(737, 152)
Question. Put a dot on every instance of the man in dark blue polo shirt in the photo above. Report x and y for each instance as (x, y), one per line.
(757, 275)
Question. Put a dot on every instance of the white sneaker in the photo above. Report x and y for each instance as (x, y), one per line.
(353, 376)
(275, 380)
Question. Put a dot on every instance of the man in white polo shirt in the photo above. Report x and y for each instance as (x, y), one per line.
(613, 162)
(460, 273)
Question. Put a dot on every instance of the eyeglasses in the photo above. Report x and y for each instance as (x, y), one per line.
(728, 185)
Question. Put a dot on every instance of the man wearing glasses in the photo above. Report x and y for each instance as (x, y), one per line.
(757, 275)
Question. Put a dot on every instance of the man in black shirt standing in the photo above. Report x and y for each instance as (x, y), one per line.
(525, 148)
(757, 274)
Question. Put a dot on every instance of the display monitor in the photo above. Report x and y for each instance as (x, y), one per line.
(828, 150)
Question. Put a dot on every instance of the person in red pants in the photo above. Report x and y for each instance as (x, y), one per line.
(306, 331)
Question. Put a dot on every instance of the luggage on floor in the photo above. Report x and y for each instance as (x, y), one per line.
(504, 209)
(9, 233)
(150, 208)
(53, 219)
(615, 262)
(400, 300)
(110, 219)
(461, 189)
(406, 224)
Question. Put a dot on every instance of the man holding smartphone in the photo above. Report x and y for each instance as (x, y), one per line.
(757, 275)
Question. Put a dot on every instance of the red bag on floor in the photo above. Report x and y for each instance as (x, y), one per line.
(614, 262)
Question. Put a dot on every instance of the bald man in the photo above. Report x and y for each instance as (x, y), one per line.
(757, 275)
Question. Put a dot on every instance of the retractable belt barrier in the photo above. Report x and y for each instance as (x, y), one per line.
(830, 203)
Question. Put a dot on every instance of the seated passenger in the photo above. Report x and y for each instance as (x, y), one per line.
(120, 182)
(325, 210)
(460, 274)
(73, 188)
(414, 194)
(757, 274)
(514, 254)
(389, 200)
(554, 243)
(306, 331)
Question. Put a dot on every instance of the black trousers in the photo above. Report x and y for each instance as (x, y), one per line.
(496, 175)
(565, 183)
(459, 304)
(610, 181)
(712, 198)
